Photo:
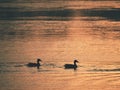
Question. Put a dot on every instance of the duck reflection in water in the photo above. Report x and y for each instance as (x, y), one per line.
(35, 64)
(71, 66)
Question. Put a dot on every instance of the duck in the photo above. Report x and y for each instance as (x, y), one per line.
(71, 66)
(35, 64)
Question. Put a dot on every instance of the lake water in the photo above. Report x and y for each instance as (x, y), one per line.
(58, 32)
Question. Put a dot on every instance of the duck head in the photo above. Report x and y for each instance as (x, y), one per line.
(76, 61)
(38, 60)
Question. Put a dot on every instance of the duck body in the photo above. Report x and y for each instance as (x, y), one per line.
(34, 64)
(70, 66)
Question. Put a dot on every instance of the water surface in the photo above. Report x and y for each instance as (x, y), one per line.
(59, 32)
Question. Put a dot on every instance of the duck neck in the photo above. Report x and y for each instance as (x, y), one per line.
(38, 62)
(75, 64)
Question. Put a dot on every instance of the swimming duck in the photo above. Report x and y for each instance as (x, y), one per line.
(69, 66)
(34, 64)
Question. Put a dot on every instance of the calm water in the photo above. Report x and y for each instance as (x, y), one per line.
(59, 32)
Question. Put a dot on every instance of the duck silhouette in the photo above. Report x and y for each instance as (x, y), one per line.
(35, 64)
(71, 66)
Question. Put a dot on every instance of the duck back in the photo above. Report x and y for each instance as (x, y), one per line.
(33, 64)
(70, 66)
